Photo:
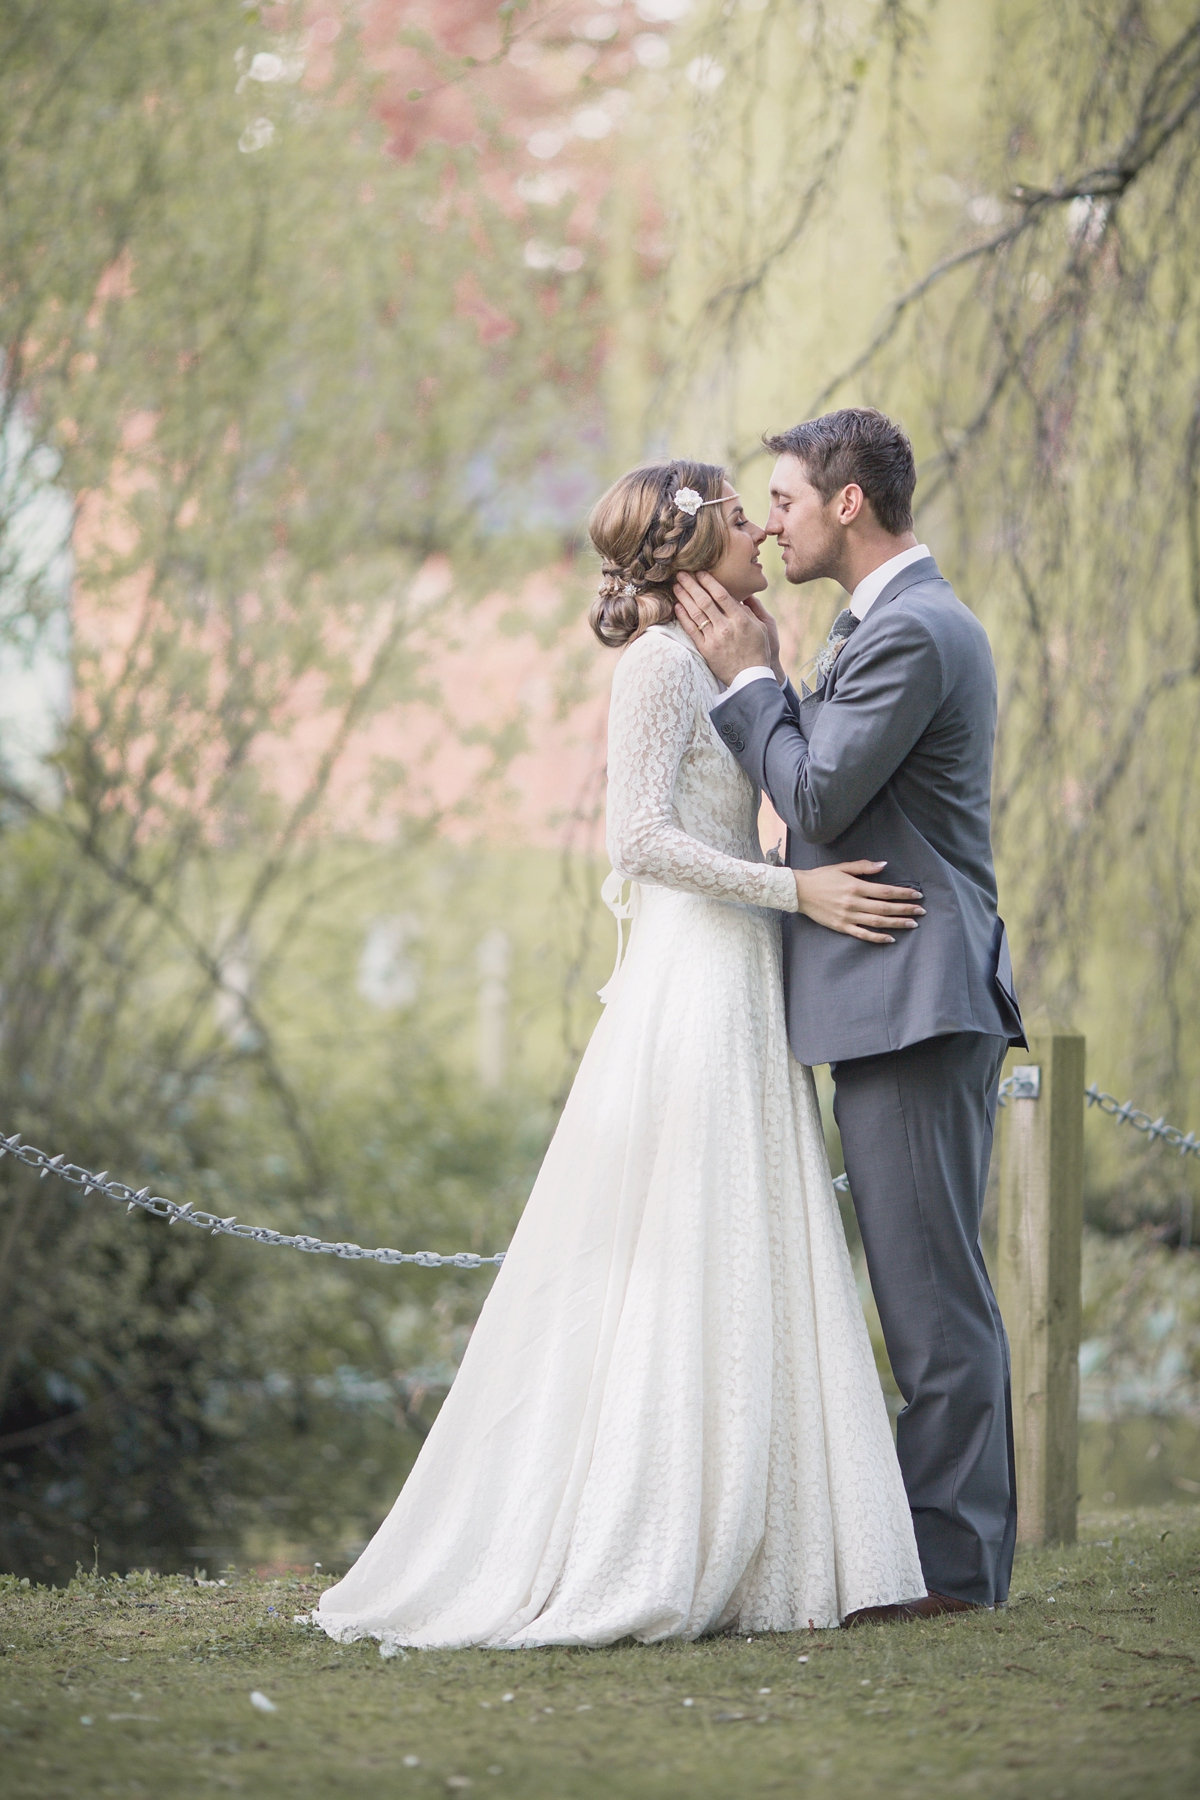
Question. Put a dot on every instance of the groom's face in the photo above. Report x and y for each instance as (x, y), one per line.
(805, 525)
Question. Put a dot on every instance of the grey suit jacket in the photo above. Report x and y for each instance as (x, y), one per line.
(890, 760)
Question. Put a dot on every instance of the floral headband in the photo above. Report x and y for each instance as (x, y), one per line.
(689, 501)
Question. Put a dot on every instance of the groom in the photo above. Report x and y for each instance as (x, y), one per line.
(891, 758)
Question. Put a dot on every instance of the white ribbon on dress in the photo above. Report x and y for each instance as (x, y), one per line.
(621, 910)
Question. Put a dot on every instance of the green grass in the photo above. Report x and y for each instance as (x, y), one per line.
(1087, 1685)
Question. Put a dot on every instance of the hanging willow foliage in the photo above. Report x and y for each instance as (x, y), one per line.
(985, 222)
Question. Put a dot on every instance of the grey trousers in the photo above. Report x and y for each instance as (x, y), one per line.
(916, 1129)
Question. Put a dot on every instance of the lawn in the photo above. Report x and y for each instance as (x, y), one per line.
(1088, 1684)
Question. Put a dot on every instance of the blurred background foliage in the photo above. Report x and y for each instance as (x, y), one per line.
(320, 325)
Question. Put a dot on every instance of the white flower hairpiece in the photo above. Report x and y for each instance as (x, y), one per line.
(689, 501)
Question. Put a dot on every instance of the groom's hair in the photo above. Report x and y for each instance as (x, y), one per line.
(861, 445)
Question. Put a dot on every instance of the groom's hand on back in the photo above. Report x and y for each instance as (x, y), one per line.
(730, 636)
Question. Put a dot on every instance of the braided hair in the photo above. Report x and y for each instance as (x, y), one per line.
(645, 540)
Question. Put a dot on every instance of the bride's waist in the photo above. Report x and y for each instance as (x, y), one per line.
(665, 923)
(656, 898)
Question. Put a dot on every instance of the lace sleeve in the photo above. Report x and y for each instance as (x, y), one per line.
(653, 711)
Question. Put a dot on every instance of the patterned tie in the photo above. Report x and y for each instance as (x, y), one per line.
(839, 631)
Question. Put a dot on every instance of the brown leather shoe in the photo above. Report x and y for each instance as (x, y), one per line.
(935, 1603)
(929, 1606)
(877, 1615)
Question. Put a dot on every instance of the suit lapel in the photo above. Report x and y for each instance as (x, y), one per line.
(925, 570)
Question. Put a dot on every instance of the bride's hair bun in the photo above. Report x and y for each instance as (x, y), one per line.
(645, 540)
(615, 614)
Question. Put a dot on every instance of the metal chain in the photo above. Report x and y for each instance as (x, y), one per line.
(1157, 1130)
(188, 1214)
(1125, 1113)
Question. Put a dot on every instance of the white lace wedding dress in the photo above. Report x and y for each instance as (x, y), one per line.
(668, 1420)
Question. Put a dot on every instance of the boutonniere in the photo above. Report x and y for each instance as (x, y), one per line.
(835, 643)
(827, 656)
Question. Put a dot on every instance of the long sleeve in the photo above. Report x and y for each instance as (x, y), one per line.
(886, 695)
(655, 705)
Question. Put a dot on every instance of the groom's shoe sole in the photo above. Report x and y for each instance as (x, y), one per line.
(929, 1606)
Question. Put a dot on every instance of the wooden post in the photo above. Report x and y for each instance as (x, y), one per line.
(1041, 1229)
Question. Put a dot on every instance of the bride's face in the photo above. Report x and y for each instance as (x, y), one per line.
(739, 570)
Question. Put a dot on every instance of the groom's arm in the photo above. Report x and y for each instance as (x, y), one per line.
(889, 686)
(782, 681)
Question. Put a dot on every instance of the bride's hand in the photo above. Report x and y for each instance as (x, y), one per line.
(838, 898)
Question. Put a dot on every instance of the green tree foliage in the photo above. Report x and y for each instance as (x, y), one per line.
(983, 220)
(267, 370)
(274, 370)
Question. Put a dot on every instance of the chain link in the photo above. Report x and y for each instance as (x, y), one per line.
(1124, 1112)
(1157, 1130)
(155, 1204)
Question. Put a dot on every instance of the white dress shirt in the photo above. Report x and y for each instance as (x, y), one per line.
(871, 586)
(861, 601)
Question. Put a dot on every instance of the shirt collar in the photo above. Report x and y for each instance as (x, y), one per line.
(871, 586)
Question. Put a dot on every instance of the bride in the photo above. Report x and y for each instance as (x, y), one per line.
(668, 1420)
